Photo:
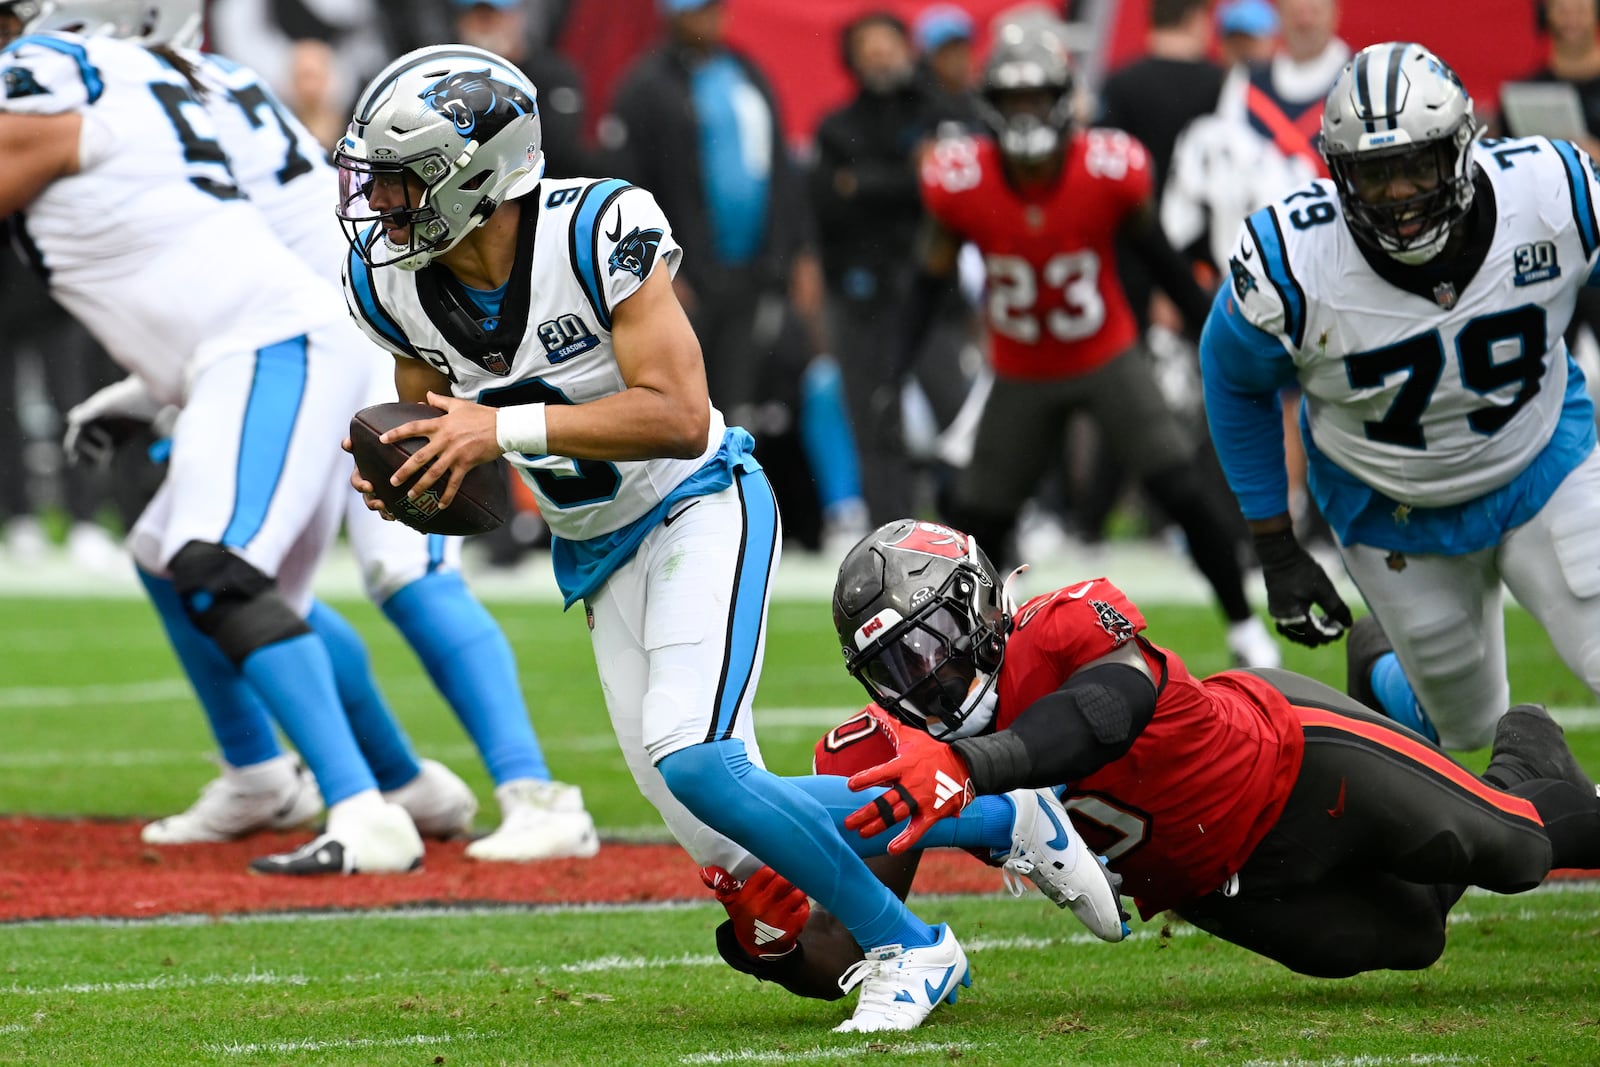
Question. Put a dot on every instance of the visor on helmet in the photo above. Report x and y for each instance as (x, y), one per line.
(925, 666)
(395, 233)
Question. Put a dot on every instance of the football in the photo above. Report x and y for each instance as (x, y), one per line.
(482, 503)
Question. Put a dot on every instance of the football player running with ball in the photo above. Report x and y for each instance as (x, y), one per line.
(1260, 805)
(126, 202)
(1046, 204)
(539, 314)
(1419, 299)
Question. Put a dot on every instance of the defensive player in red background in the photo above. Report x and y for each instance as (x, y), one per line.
(1046, 204)
(1260, 805)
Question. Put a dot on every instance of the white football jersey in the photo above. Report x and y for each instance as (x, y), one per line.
(276, 162)
(150, 245)
(1432, 400)
(585, 245)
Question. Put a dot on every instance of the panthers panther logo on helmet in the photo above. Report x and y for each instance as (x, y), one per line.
(462, 122)
(479, 105)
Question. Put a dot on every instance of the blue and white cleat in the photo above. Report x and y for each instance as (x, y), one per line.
(901, 986)
(1046, 849)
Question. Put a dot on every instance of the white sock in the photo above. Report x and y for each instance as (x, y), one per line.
(263, 777)
(367, 802)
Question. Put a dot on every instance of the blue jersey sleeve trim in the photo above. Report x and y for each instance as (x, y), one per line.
(92, 84)
(584, 235)
(1264, 230)
(1582, 202)
(1242, 368)
(372, 312)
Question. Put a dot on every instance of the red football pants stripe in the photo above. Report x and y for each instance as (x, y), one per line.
(1423, 753)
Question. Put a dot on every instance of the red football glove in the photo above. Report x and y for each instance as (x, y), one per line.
(927, 782)
(768, 912)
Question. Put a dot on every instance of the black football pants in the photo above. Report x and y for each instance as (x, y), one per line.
(1380, 837)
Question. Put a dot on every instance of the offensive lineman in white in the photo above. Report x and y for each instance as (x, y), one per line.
(540, 315)
(413, 578)
(1419, 298)
(127, 204)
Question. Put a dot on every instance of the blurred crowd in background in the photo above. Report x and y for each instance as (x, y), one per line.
(800, 236)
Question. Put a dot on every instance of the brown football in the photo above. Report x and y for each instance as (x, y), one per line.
(482, 503)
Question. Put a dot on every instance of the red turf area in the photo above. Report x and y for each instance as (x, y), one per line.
(53, 869)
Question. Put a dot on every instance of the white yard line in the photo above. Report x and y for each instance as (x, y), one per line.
(1416, 1059)
(878, 1050)
(158, 691)
(608, 964)
(314, 1045)
(596, 965)
(174, 981)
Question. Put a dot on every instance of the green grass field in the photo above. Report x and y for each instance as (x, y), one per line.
(96, 721)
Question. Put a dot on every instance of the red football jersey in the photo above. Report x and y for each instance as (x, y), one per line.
(1203, 783)
(1053, 302)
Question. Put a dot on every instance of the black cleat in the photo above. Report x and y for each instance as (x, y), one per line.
(1529, 744)
(322, 855)
(1364, 646)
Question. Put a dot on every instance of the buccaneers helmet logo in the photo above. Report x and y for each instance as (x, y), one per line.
(478, 105)
(931, 539)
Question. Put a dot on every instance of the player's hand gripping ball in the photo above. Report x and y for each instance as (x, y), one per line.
(482, 503)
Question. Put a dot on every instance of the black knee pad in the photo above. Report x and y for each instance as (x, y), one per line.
(230, 601)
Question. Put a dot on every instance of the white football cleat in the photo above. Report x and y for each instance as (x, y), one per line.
(901, 986)
(1046, 849)
(276, 794)
(538, 821)
(440, 803)
(1252, 646)
(362, 838)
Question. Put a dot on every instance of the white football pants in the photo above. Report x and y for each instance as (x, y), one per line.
(678, 633)
(1445, 616)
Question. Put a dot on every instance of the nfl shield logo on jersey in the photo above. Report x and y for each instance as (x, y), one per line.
(1444, 294)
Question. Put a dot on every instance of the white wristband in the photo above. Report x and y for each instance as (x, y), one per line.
(520, 428)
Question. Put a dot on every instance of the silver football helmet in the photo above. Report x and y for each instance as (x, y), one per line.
(922, 618)
(445, 135)
(1026, 94)
(1396, 133)
(145, 22)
